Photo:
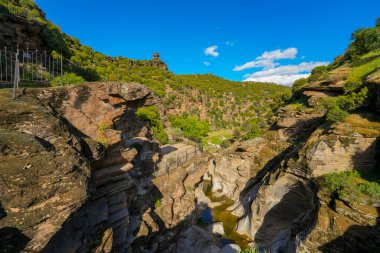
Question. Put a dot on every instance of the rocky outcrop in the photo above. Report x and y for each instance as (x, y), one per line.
(97, 198)
(293, 125)
(281, 211)
(339, 150)
(275, 181)
(19, 31)
(333, 82)
(49, 146)
(230, 172)
(45, 178)
(195, 239)
(175, 206)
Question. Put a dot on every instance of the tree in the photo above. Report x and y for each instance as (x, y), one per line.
(150, 115)
(336, 115)
(364, 41)
(317, 73)
(298, 84)
(177, 133)
(251, 129)
(192, 127)
(67, 79)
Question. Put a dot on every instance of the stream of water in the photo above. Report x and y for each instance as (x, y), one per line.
(221, 214)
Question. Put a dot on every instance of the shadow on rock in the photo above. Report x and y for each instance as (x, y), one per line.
(3, 214)
(12, 240)
(287, 219)
(356, 239)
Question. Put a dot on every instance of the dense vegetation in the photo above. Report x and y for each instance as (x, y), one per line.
(24, 8)
(364, 40)
(152, 117)
(351, 184)
(191, 127)
(67, 79)
(224, 103)
(220, 102)
(361, 59)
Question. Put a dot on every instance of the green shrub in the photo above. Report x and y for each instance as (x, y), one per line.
(161, 135)
(157, 203)
(336, 115)
(177, 133)
(370, 188)
(67, 79)
(298, 84)
(351, 183)
(354, 80)
(150, 115)
(364, 41)
(338, 107)
(252, 250)
(225, 144)
(317, 73)
(191, 126)
(251, 129)
(104, 125)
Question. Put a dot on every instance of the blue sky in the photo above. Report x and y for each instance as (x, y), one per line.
(226, 38)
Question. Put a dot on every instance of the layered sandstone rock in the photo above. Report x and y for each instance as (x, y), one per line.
(60, 200)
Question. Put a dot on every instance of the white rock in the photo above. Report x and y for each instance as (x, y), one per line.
(216, 228)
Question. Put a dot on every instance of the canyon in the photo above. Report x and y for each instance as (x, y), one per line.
(67, 192)
(83, 170)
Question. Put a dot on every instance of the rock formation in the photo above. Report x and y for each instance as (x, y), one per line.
(93, 198)
(274, 180)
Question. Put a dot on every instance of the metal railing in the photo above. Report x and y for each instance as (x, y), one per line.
(29, 66)
(181, 158)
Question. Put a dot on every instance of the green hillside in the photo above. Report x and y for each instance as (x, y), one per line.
(222, 103)
(355, 74)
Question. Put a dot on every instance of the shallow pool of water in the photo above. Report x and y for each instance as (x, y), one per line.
(221, 214)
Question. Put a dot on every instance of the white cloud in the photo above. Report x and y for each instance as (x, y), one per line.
(287, 80)
(288, 69)
(272, 71)
(206, 63)
(256, 64)
(289, 53)
(212, 51)
(266, 60)
(230, 43)
(284, 75)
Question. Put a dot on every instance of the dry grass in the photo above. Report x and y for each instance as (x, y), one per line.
(366, 124)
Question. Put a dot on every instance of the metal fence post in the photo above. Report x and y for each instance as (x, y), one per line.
(45, 67)
(1, 66)
(17, 67)
(15, 84)
(61, 70)
(6, 65)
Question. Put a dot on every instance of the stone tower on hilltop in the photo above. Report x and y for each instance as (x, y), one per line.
(156, 56)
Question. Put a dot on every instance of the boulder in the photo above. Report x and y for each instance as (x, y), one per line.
(216, 228)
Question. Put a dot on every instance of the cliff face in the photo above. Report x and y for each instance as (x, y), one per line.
(18, 31)
(63, 191)
(277, 185)
(45, 177)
